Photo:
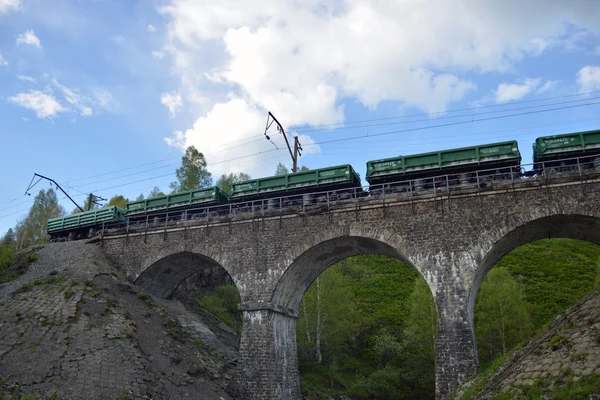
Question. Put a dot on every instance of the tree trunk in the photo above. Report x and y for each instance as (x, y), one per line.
(318, 355)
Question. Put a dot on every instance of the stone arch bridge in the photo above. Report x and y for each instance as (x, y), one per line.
(452, 239)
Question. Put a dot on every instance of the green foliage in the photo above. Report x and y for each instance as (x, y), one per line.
(32, 229)
(327, 316)
(118, 200)
(6, 258)
(223, 303)
(281, 170)
(193, 173)
(366, 347)
(156, 192)
(9, 238)
(14, 263)
(554, 274)
(225, 181)
(501, 315)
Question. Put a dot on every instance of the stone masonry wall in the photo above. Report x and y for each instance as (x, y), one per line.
(452, 242)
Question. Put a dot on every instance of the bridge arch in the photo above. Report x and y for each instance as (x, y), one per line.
(163, 275)
(573, 226)
(316, 258)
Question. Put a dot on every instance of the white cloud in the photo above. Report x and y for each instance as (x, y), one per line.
(26, 78)
(29, 38)
(512, 91)
(230, 135)
(104, 99)
(151, 28)
(588, 78)
(9, 5)
(159, 55)
(3, 62)
(548, 85)
(301, 60)
(45, 105)
(172, 101)
(76, 100)
(25, 119)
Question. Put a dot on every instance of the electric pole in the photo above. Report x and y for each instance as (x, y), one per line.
(92, 198)
(297, 152)
(297, 147)
(53, 181)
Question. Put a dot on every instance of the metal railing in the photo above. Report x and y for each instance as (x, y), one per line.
(355, 198)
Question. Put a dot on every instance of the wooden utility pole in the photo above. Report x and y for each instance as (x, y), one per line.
(295, 166)
(89, 203)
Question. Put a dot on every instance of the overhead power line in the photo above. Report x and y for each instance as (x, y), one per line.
(443, 118)
(450, 124)
(315, 128)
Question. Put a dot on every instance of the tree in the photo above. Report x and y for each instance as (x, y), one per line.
(32, 229)
(155, 193)
(327, 317)
(502, 316)
(141, 197)
(9, 237)
(304, 168)
(118, 200)
(225, 181)
(281, 170)
(193, 173)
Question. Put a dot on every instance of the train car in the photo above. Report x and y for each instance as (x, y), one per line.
(85, 224)
(567, 152)
(496, 160)
(194, 200)
(299, 183)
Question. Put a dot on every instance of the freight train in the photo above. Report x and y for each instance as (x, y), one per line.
(480, 165)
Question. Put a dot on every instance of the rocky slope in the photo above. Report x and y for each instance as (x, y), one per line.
(71, 327)
(565, 359)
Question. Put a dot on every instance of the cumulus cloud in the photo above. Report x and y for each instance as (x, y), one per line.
(3, 62)
(588, 78)
(29, 38)
(302, 59)
(159, 55)
(172, 101)
(26, 78)
(231, 135)
(45, 105)
(9, 5)
(151, 28)
(513, 91)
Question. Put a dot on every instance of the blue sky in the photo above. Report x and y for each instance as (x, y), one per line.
(104, 95)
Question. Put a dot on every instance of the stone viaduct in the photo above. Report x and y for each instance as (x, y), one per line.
(453, 241)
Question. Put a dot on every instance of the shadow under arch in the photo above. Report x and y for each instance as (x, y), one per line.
(163, 276)
(309, 265)
(575, 226)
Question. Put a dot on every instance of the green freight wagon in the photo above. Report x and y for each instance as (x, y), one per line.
(549, 148)
(455, 161)
(331, 178)
(77, 223)
(199, 197)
